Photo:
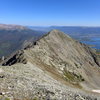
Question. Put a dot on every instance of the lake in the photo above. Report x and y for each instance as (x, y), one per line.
(94, 41)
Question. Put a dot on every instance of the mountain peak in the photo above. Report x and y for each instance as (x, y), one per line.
(55, 32)
(55, 35)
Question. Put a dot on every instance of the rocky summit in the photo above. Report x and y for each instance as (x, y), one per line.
(55, 67)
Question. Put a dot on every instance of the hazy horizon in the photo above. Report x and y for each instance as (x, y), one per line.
(48, 25)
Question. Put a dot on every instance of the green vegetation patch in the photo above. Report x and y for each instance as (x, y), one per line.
(6, 98)
(72, 77)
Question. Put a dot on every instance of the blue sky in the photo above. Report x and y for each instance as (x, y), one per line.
(50, 12)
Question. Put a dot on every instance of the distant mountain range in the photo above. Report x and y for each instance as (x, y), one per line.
(88, 35)
(14, 37)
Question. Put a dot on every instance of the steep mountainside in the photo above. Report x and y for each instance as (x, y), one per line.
(88, 35)
(12, 38)
(53, 67)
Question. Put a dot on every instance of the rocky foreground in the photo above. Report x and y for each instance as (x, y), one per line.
(55, 67)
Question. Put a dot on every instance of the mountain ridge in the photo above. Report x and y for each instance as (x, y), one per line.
(12, 27)
(68, 62)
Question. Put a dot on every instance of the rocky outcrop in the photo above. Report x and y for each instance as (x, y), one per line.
(17, 57)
